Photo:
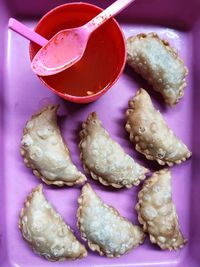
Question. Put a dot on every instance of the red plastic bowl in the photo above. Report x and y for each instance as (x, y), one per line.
(103, 60)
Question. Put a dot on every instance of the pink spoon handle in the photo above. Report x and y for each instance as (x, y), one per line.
(20, 28)
(109, 12)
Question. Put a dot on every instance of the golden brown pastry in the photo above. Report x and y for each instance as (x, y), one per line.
(157, 213)
(45, 152)
(159, 64)
(46, 232)
(105, 159)
(106, 231)
(150, 133)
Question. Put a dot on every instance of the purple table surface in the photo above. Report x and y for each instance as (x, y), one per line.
(22, 94)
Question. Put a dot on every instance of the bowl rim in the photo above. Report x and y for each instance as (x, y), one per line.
(89, 98)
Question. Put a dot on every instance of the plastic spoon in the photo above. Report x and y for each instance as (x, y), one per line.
(67, 46)
(23, 30)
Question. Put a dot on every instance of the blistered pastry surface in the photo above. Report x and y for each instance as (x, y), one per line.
(157, 213)
(45, 152)
(105, 159)
(104, 228)
(150, 133)
(158, 63)
(46, 232)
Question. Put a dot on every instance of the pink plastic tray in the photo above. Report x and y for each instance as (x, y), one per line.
(21, 94)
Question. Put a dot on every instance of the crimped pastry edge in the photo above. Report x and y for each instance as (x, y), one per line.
(148, 183)
(83, 134)
(27, 201)
(138, 148)
(93, 246)
(173, 51)
(80, 180)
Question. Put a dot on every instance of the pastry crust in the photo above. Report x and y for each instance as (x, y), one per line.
(45, 152)
(105, 159)
(105, 230)
(157, 213)
(46, 232)
(159, 64)
(150, 133)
